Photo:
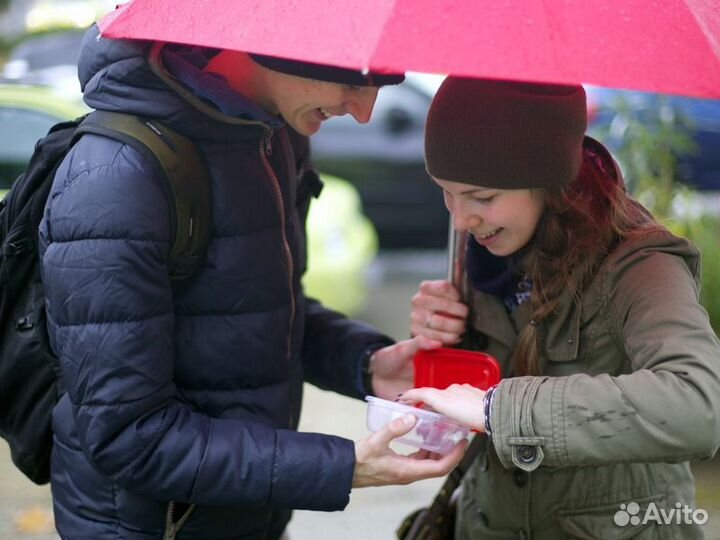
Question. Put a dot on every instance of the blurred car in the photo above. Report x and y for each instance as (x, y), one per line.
(341, 240)
(48, 59)
(699, 169)
(26, 113)
(384, 160)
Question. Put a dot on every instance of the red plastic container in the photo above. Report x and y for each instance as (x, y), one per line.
(442, 367)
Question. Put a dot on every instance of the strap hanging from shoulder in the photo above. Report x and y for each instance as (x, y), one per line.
(186, 182)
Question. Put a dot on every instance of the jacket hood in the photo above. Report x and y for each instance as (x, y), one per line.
(653, 241)
(127, 76)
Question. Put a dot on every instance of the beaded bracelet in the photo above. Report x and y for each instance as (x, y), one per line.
(487, 408)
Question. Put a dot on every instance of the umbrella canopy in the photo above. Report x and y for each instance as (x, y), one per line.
(666, 46)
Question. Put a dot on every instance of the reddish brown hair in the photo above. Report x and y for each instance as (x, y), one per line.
(581, 224)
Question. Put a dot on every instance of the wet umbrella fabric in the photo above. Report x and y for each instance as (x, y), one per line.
(666, 46)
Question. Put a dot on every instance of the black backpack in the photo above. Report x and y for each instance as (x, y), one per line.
(29, 373)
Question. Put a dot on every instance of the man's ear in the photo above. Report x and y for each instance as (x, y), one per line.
(244, 76)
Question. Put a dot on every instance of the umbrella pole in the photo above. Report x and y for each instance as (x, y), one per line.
(457, 245)
(457, 250)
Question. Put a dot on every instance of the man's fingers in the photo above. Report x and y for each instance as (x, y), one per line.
(449, 461)
(446, 463)
(376, 464)
(425, 454)
(409, 347)
(432, 467)
(393, 430)
(426, 343)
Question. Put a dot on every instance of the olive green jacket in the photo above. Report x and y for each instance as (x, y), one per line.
(630, 393)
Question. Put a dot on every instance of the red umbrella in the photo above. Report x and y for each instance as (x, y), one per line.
(666, 46)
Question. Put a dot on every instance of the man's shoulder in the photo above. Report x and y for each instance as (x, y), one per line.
(97, 155)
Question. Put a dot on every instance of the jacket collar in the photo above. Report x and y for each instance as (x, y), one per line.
(155, 61)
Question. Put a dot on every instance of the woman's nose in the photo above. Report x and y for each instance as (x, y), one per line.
(462, 218)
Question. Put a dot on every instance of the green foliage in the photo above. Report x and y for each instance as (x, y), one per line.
(5, 46)
(653, 138)
(705, 232)
(654, 135)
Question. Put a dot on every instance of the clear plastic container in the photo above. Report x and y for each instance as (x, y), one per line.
(432, 431)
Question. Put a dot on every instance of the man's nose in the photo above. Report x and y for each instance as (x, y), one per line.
(361, 104)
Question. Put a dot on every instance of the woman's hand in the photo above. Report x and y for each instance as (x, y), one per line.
(392, 367)
(438, 313)
(376, 464)
(461, 402)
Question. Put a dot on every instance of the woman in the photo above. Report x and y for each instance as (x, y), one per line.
(611, 369)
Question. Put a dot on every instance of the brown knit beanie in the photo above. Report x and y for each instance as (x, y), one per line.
(505, 135)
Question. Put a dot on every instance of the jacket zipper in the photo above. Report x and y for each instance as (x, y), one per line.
(265, 152)
(172, 526)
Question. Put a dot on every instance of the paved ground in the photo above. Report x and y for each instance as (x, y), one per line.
(25, 510)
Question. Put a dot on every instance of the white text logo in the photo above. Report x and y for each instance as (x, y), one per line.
(629, 514)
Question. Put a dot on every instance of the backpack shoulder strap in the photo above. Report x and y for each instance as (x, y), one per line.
(186, 182)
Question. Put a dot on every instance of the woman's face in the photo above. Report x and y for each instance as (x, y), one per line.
(502, 220)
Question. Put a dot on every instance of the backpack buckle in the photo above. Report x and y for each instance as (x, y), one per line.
(18, 246)
(25, 323)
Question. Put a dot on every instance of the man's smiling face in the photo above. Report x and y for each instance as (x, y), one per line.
(305, 103)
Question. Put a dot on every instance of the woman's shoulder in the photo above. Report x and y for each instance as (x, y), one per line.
(649, 262)
(656, 243)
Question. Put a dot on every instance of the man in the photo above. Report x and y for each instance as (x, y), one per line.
(181, 408)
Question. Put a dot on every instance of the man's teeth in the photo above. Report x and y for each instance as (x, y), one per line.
(325, 113)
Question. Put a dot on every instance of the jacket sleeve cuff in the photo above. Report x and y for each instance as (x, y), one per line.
(364, 370)
(320, 479)
(524, 439)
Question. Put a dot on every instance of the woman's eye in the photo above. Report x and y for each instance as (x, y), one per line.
(483, 200)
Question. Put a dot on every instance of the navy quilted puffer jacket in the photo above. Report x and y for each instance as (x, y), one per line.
(187, 400)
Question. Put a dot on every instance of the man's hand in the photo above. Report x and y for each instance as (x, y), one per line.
(393, 369)
(377, 465)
